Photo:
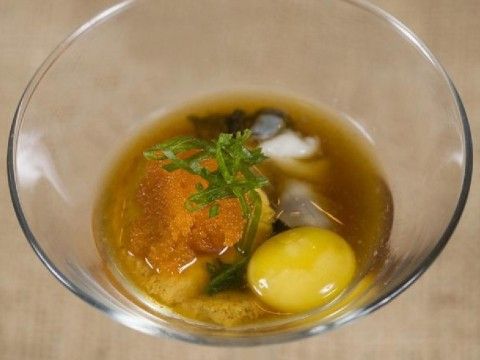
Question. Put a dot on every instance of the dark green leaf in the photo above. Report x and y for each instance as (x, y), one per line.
(245, 245)
(226, 276)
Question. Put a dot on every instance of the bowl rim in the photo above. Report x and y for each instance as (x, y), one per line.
(104, 15)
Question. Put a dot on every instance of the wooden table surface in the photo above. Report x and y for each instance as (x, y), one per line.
(437, 318)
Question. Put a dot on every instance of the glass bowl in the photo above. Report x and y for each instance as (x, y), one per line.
(138, 59)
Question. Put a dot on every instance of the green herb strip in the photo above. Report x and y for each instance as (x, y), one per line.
(226, 276)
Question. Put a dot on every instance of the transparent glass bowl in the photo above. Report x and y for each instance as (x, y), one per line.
(138, 59)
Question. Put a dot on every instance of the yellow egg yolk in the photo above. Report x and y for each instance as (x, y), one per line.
(301, 269)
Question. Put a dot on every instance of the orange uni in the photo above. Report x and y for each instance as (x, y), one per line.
(165, 233)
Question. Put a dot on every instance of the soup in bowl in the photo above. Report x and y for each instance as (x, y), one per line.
(239, 173)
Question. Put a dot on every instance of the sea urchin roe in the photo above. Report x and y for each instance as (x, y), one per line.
(169, 236)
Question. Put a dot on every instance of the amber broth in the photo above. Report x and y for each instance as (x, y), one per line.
(354, 190)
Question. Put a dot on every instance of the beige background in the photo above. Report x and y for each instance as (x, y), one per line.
(438, 318)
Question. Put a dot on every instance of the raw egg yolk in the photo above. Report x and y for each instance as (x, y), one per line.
(301, 269)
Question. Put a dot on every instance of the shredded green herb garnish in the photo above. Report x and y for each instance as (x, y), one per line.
(226, 276)
(233, 178)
